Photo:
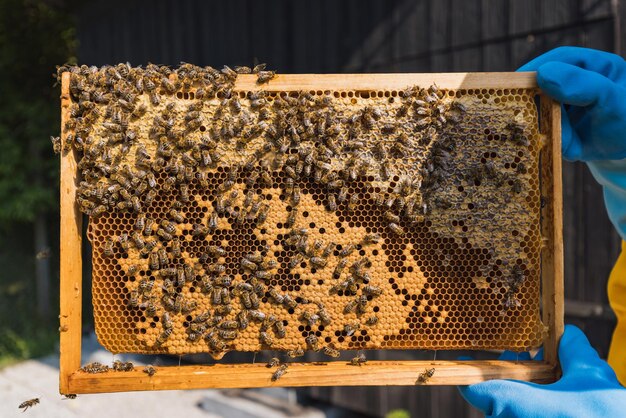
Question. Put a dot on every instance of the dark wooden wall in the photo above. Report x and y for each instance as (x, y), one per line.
(328, 36)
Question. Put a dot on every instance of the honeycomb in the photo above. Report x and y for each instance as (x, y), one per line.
(225, 220)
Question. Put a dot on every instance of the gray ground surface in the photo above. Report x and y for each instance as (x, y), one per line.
(39, 379)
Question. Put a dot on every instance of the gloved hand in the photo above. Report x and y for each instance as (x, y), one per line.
(591, 85)
(588, 388)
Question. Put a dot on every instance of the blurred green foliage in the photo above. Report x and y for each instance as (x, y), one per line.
(398, 413)
(35, 37)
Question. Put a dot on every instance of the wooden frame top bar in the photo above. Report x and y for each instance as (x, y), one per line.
(360, 82)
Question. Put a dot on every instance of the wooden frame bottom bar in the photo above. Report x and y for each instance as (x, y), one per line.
(337, 373)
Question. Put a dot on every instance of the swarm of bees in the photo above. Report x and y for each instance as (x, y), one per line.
(135, 141)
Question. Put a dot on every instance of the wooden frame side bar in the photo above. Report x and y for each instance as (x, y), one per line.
(360, 82)
(552, 228)
(71, 258)
(372, 373)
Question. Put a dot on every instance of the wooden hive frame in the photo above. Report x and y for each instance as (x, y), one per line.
(334, 373)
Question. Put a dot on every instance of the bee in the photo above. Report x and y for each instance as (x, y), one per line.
(347, 250)
(371, 290)
(331, 352)
(248, 265)
(396, 229)
(123, 366)
(359, 360)
(95, 367)
(312, 342)
(328, 250)
(223, 281)
(351, 328)
(242, 318)
(228, 334)
(309, 317)
(372, 320)
(184, 193)
(133, 299)
(289, 302)
(199, 230)
(350, 307)
(167, 272)
(176, 250)
(176, 216)
(139, 242)
(324, 316)
(295, 195)
(297, 352)
(263, 212)
(291, 219)
(279, 329)
(341, 265)
(275, 296)
(517, 186)
(274, 361)
(149, 370)
(318, 262)
(265, 338)
(214, 343)
(223, 310)
(373, 238)
(280, 372)
(154, 261)
(256, 315)
(213, 222)
(189, 306)
(30, 403)
(70, 396)
(425, 376)
(108, 247)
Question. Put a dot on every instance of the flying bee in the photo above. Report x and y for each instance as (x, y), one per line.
(30, 403)
(280, 372)
(331, 352)
(359, 360)
(425, 376)
(108, 247)
(312, 342)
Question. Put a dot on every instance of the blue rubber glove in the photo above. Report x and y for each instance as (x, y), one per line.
(588, 388)
(591, 85)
